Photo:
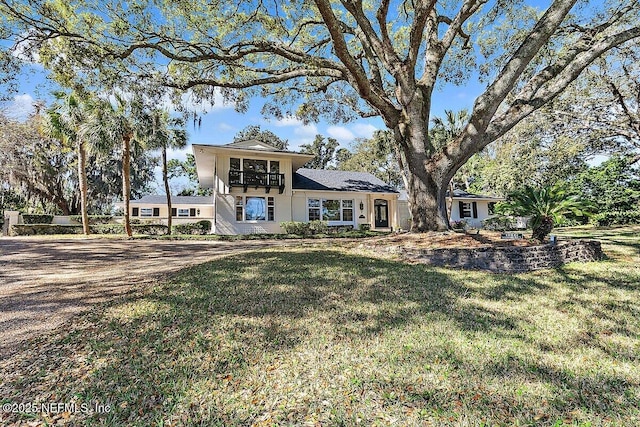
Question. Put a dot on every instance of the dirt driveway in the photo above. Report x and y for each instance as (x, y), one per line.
(44, 282)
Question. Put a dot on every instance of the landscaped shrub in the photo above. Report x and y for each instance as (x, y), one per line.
(294, 227)
(605, 219)
(364, 227)
(93, 219)
(305, 228)
(459, 225)
(499, 223)
(48, 229)
(318, 227)
(150, 229)
(107, 229)
(200, 227)
(37, 218)
(44, 229)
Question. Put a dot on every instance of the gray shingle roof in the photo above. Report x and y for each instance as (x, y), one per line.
(333, 180)
(456, 194)
(175, 200)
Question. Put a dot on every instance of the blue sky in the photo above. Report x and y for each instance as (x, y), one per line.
(222, 122)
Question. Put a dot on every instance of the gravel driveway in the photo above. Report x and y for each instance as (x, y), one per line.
(43, 282)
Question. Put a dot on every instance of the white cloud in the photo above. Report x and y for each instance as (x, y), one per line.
(225, 127)
(180, 154)
(289, 121)
(341, 133)
(21, 107)
(363, 130)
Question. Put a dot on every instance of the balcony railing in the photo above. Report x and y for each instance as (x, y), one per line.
(248, 179)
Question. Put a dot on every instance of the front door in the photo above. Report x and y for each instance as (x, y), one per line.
(381, 211)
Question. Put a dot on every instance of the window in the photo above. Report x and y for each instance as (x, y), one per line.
(239, 208)
(468, 209)
(183, 212)
(347, 210)
(146, 212)
(314, 209)
(252, 208)
(271, 209)
(234, 164)
(252, 165)
(274, 166)
(135, 212)
(255, 209)
(330, 210)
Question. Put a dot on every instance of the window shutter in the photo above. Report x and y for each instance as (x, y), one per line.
(135, 212)
(461, 209)
(174, 212)
(156, 211)
(475, 209)
(192, 212)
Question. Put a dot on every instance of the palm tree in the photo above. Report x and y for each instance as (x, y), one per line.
(165, 132)
(108, 124)
(545, 206)
(63, 121)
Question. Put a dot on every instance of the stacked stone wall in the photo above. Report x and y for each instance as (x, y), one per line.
(508, 259)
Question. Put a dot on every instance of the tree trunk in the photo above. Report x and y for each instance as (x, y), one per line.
(126, 181)
(82, 179)
(543, 229)
(425, 175)
(165, 177)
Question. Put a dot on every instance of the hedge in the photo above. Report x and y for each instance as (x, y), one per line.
(605, 219)
(48, 229)
(200, 227)
(37, 218)
(93, 219)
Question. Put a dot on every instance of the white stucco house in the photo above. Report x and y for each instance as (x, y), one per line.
(256, 187)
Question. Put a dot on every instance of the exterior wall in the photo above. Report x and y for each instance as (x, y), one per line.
(483, 211)
(225, 222)
(364, 216)
(404, 216)
(223, 166)
(203, 212)
(507, 259)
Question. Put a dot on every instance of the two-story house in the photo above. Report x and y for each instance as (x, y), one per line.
(256, 187)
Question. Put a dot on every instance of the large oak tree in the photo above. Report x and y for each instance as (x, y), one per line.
(340, 59)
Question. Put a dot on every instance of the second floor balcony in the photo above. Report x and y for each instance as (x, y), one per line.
(266, 180)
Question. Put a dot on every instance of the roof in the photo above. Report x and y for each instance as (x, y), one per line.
(457, 194)
(334, 180)
(175, 200)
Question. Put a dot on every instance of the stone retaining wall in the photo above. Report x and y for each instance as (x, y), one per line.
(508, 259)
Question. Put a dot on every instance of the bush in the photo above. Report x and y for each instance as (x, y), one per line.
(200, 227)
(318, 227)
(150, 229)
(44, 229)
(364, 227)
(48, 229)
(107, 229)
(499, 223)
(37, 219)
(605, 219)
(459, 225)
(93, 219)
(305, 228)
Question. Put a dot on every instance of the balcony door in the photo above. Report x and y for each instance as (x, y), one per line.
(381, 212)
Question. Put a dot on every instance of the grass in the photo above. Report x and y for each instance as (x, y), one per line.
(310, 336)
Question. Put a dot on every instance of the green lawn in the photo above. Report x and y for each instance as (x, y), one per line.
(310, 336)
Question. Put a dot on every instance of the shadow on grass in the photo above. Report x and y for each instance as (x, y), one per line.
(198, 349)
